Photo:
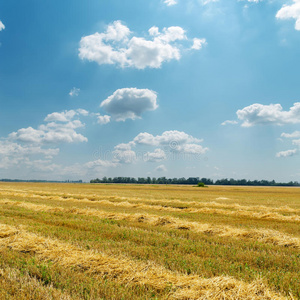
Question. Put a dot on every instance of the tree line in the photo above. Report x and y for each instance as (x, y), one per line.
(192, 181)
(40, 181)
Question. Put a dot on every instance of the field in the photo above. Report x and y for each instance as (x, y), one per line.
(83, 241)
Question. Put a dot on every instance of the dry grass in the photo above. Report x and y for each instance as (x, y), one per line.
(17, 285)
(127, 271)
(260, 212)
(262, 235)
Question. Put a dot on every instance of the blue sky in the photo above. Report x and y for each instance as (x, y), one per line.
(150, 88)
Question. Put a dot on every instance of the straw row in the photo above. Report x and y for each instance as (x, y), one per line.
(189, 206)
(261, 235)
(236, 213)
(126, 271)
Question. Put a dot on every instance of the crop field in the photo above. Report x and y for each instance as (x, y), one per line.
(101, 241)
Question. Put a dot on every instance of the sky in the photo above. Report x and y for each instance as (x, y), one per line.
(174, 88)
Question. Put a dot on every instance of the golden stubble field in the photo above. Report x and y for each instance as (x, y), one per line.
(84, 241)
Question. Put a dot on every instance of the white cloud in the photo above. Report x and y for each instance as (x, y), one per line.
(290, 12)
(172, 141)
(124, 156)
(103, 119)
(287, 153)
(64, 116)
(156, 156)
(170, 2)
(82, 112)
(14, 154)
(294, 134)
(116, 47)
(130, 103)
(100, 163)
(192, 149)
(50, 133)
(60, 130)
(74, 92)
(28, 135)
(124, 146)
(230, 122)
(161, 168)
(257, 114)
(59, 127)
(42, 165)
(296, 142)
(173, 138)
(2, 27)
(8, 148)
(146, 138)
(198, 43)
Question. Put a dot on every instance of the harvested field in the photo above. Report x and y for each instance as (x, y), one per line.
(82, 241)
(266, 236)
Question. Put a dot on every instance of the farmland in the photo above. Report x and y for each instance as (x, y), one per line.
(84, 241)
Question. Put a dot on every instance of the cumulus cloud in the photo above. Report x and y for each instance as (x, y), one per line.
(66, 115)
(174, 141)
(74, 92)
(191, 149)
(296, 142)
(116, 46)
(42, 165)
(2, 27)
(287, 153)
(170, 2)
(290, 12)
(161, 168)
(59, 129)
(50, 133)
(257, 114)
(103, 119)
(13, 154)
(30, 148)
(82, 112)
(100, 163)
(295, 134)
(130, 103)
(173, 138)
(198, 43)
(156, 156)
(8, 148)
(124, 155)
(229, 122)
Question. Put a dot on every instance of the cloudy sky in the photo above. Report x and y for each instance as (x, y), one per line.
(174, 88)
